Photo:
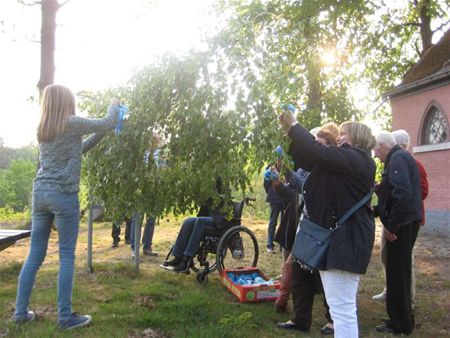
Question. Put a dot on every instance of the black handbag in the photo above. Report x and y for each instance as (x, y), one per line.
(312, 241)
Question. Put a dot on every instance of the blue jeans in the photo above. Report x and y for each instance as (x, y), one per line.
(147, 236)
(64, 209)
(275, 211)
(190, 235)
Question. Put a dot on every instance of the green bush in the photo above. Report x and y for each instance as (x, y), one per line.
(8, 214)
(16, 183)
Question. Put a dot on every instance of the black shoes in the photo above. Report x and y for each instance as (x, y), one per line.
(183, 266)
(290, 325)
(173, 262)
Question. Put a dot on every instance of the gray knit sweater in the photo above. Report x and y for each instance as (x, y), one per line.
(60, 159)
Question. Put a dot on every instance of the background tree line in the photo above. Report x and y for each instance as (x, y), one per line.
(17, 170)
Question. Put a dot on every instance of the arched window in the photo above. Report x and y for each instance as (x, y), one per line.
(435, 128)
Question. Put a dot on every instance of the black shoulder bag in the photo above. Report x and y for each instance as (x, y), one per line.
(312, 241)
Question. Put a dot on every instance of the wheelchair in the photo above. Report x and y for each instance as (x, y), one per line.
(232, 247)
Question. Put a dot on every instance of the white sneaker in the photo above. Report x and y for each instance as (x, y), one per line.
(75, 321)
(133, 254)
(380, 297)
(28, 318)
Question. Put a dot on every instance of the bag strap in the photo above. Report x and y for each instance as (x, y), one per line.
(348, 213)
(353, 209)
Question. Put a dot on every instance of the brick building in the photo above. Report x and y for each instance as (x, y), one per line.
(421, 106)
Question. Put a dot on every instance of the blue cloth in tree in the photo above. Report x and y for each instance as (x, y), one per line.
(123, 110)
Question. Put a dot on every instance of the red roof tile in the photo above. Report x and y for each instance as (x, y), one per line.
(431, 61)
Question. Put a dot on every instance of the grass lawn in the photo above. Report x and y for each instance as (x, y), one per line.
(158, 303)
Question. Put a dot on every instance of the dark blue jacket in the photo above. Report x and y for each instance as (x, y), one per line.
(272, 196)
(289, 192)
(399, 195)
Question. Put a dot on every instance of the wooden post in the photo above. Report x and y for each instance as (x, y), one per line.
(90, 232)
(137, 239)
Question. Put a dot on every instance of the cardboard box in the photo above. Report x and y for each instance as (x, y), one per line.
(250, 293)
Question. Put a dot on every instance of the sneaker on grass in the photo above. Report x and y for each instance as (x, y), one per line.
(74, 321)
(380, 297)
(25, 319)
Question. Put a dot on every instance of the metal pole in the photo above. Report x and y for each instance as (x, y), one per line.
(90, 231)
(137, 239)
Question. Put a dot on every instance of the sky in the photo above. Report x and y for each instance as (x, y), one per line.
(98, 44)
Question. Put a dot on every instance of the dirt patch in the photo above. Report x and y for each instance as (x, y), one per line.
(147, 333)
(432, 252)
(146, 302)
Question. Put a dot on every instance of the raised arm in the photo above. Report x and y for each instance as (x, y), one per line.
(83, 126)
(308, 153)
(92, 140)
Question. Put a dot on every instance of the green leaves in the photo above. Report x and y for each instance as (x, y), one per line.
(187, 102)
(279, 47)
(275, 47)
(216, 110)
(15, 184)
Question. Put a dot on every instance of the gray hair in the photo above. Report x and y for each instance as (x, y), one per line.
(402, 138)
(387, 138)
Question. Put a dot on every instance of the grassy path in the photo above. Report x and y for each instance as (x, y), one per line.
(158, 303)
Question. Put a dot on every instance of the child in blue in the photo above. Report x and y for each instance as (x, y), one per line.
(55, 197)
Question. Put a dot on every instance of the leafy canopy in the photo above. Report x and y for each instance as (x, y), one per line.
(208, 133)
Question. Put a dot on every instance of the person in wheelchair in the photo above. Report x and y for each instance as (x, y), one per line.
(192, 232)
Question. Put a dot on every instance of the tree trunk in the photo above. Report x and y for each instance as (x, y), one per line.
(425, 25)
(314, 105)
(48, 29)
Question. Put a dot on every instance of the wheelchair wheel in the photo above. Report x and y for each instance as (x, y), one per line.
(169, 253)
(237, 248)
(202, 277)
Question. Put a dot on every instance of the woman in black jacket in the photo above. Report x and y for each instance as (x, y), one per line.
(305, 283)
(339, 178)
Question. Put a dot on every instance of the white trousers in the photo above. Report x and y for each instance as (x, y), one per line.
(340, 291)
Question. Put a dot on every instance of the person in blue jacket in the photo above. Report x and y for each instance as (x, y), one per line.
(276, 207)
(400, 211)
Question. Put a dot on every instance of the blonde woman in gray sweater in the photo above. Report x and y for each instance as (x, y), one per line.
(55, 197)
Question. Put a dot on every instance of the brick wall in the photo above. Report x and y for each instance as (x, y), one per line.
(408, 113)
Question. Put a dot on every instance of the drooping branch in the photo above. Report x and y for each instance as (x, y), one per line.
(31, 3)
(411, 24)
(441, 26)
(64, 3)
(417, 49)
